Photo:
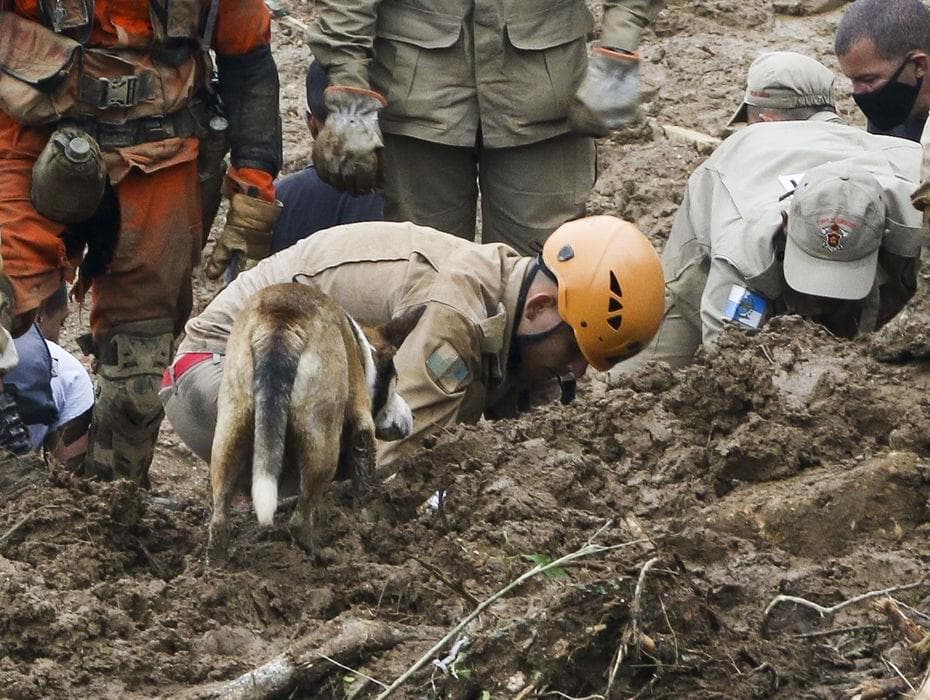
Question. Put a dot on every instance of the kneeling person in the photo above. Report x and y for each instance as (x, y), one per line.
(794, 215)
(51, 390)
(494, 324)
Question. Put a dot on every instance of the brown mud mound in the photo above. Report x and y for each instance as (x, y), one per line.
(784, 464)
(778, 465)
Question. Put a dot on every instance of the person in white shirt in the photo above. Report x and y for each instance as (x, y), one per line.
(52, 390)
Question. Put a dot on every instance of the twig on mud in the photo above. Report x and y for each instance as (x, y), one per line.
(587, 550)
(831, 633)
(456, 586)
(911, 609)
(630, 634)
(305, 663)
(906, 627)
(21, 522)
(918, 640)
(353, 670)
(897, 671)
(525, 692)
(671, 629)
(839, 606)
(768, 354)
(148, 555)
(570, 697)
(923, 693)
(598, 533)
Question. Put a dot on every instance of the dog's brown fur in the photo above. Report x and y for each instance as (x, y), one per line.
(295, 395)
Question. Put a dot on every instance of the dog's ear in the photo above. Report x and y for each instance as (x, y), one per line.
(397, 329)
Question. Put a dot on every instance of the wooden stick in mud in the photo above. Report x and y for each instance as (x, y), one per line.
(631, 635)
(587, 550)
(839, 606)
(703, 143)
(879, 690)
(923, 692)
(913, 633)
(906, 627)
(307, 662)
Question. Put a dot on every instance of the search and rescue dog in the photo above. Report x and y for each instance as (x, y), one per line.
(304, 388)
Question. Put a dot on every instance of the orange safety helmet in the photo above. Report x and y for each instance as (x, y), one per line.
(611, 286)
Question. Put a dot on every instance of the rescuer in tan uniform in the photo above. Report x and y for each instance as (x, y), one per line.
(496, 95)
(797, 213)
(495, 322)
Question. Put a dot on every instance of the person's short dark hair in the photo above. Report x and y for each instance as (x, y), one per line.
(896, 27)
(317, 82)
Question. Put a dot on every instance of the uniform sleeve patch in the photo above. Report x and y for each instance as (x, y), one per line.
(447, 368)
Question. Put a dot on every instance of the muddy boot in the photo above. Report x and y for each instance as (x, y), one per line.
(128, 413)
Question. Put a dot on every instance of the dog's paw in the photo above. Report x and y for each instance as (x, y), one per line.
(396, 420)
(217, 546)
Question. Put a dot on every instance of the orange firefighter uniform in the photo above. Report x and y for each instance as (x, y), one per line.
(135, 76)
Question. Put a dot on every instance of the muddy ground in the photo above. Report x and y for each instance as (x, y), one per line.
(788, 463)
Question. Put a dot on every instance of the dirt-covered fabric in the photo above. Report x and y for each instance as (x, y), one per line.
(790, 463)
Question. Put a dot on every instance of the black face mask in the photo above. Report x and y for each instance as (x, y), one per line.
(891, 104)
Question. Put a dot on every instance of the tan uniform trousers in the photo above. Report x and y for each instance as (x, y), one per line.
(526, 191)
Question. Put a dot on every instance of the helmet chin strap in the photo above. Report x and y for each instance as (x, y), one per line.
(532, 338)
(538, 266)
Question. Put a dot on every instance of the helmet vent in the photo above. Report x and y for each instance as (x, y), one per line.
(615, 285)
(614, 305)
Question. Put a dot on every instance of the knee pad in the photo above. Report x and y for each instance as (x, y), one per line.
(128, 411)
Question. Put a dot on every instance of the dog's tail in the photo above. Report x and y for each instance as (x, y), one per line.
(275, 369)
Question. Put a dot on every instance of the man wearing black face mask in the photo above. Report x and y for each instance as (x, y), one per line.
(794, 180)
(882, 47)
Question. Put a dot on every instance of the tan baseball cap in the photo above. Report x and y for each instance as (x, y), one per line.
(835, 227)
(784, 80)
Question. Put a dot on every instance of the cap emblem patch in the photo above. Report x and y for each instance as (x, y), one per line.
(834, 233)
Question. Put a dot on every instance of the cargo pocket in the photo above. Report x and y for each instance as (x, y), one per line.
(412, 62)
(550, 50)
(37, 83)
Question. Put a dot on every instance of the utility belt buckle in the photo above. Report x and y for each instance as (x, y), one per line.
(119, 92)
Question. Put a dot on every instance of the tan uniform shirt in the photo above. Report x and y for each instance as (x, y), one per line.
(448, 67)
(453, 366)
(725, 232)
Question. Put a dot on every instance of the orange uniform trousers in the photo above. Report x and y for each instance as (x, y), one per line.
(160, 234)
(158, 244)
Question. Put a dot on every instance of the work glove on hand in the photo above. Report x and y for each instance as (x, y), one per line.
(347, 153)
(608, 96)
(246, 235)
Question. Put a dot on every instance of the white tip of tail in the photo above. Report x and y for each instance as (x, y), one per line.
(264, 497)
